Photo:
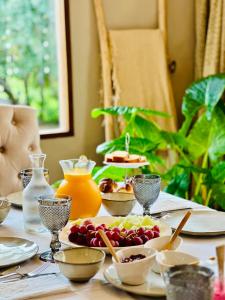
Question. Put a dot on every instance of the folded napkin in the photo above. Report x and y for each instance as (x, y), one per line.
(34, 287)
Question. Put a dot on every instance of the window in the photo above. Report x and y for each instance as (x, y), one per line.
(35, 60)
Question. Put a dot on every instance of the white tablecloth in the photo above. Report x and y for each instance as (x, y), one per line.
(98, 288)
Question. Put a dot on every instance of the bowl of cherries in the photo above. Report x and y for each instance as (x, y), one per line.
(86, 234)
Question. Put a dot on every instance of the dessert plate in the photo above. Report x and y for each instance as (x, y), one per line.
(201, 222)
(16, 199)
(127, 165)
(63, 236)
(15, 250)
(154, 285)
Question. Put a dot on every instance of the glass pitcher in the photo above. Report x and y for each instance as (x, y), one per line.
(78, 183)
(37, 187)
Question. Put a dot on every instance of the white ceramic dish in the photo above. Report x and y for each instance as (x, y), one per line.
(80, 264)
(118, 204)
(171, 258)
(15, 250)
(134, 273)
(158, 243)
(16, 199)
(153, 287)
(201, 222)
(127, 165)
(4, 209)
(63, 236)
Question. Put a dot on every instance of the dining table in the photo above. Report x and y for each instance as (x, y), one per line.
(98, 288)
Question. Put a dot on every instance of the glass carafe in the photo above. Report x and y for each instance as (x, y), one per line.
(78, 183)
(37, 187)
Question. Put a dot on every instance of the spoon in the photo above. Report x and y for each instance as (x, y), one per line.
(220, 263)
(108, 244)
(173, 237)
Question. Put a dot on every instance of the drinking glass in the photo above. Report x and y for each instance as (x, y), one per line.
(146, 190)
(189, 282)
(26, 174)
(54, 213)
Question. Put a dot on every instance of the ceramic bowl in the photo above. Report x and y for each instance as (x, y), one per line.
(118, 204)
(134, 273)
(170, 258)
(79, 264)
(158, 243)
(4, 209)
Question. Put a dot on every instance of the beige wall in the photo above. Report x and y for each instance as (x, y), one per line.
(86, 65)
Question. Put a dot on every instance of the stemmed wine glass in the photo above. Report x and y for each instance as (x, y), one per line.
(54, 213)
(146, 190)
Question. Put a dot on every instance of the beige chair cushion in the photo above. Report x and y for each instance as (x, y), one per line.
(19, 137)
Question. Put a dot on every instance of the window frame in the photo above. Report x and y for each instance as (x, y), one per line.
(58, 132)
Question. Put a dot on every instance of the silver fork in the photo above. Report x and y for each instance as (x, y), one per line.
(17, 276)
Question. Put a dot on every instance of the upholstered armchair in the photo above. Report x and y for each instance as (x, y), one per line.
(18, 138)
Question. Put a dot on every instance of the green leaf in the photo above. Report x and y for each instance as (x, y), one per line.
(137, 145)
(218, 172)
(174, 139)
(206, 93)
(145, 128)
(179, 185)
(208, 136)
(117, 174)
(218, 194)
(126, 110)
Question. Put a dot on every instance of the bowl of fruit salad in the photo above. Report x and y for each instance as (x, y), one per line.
(122, 231)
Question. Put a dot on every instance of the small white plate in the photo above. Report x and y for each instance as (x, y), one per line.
(154, 285)
(201, 222)
(63, 236)
(15, 250)
(16, 199)
(127, 165)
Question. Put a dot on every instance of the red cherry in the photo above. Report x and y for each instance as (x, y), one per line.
(128, 242)
(156, 228)
(103, 225)
(117, 244)
(72, 237)
(101, 243)
(75, 229)
(109, 234)
(99, 227)
(116, 236)
(156, 234)
(83, 229)
(144, 238)
(90, 227)
(149, 234)
(137, 240)
(113, 243)
(116, 229)
(87, 222)
(92, 242)
(140, 231)
(95, 242)
(80, 240)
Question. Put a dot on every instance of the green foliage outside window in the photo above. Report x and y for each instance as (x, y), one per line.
(28, 58)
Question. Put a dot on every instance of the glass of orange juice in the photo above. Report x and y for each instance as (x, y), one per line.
(78, 183)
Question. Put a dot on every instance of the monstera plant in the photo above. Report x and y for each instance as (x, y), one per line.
(199, 171)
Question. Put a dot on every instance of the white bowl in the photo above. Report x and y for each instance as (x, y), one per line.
(134, 273)
(4, 209)
(158, 244)
(170, 258)
(118, 204)
(79, 264)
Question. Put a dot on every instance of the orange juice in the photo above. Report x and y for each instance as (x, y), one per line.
(86, 198)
